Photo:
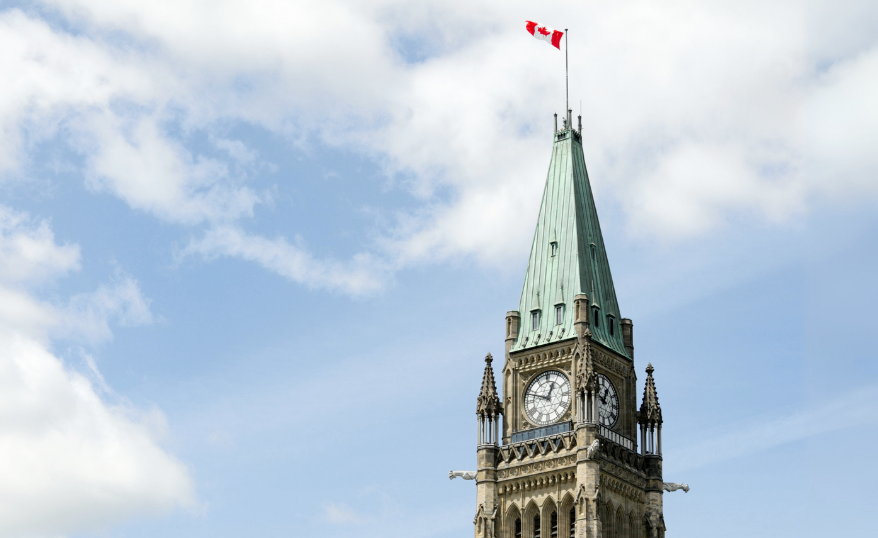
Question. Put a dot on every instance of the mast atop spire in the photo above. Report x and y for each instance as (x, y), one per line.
(566, 70)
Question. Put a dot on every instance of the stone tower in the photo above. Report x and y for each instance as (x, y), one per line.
(567, 461)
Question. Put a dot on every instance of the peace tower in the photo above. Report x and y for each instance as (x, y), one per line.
(568, 461)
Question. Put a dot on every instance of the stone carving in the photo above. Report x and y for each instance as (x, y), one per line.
(650, 410)
(484, 522)
(488, 403)
(538, 360)
(592, 450)
(585, 374)
(625, 475)
(673, 486)
(621, 488)
(466, 475)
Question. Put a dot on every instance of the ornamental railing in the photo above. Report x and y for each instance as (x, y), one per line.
(617, 438)
(545, 431)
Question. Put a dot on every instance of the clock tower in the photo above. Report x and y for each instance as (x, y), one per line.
(573, 455)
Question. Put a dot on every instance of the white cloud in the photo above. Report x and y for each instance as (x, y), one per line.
(840, 125)
(153, 173)
(695, 112)
(28, 252)
(29, 257)
(89, 315)
(69, 460)
(361, 275)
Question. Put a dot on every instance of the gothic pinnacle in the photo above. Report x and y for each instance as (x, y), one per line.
(650, 410)
(488, 402)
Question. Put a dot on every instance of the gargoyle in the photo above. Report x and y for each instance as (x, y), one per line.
(673, 486)
(466, 475)
(592, 450)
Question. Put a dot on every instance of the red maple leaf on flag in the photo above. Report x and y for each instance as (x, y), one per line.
(546, 34)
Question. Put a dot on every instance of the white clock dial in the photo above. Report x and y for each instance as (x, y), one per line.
(547, 397)
(608, 401)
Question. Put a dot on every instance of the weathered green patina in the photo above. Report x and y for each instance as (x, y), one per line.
(576, 264)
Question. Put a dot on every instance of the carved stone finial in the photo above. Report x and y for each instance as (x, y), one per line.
(488, 402)
(585, 374)
(650, 410)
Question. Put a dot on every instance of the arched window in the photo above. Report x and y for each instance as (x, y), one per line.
(536, 526)
(607, 519)
(553, 527)
(518, 527)
(573, 522)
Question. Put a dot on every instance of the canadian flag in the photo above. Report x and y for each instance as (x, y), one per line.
(545, 33)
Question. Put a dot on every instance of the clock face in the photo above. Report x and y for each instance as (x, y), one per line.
(547, 397)
(608, 401)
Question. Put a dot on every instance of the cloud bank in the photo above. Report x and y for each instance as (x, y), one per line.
(70, 461)
(696, 113)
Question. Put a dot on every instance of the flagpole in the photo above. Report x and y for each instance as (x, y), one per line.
(566, 72)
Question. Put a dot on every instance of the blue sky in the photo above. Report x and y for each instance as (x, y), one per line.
(253, 253)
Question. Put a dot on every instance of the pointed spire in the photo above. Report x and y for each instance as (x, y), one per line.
(567, 255)
(488, 402)
(650, 410)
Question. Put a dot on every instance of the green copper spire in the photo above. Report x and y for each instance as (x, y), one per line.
(567, 258)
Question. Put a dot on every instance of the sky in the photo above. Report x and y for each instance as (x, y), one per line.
(252, 254)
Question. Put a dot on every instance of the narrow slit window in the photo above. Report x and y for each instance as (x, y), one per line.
(573, 522)
(611, 323)
(535, 319)
(559, 314)
(554, 248)
(593, 253)
(597, 318)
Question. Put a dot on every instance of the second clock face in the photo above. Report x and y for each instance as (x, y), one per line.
(608, 401)
(547, 397)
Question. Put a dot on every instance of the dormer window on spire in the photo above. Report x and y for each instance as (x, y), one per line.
(559, 314)
(554, 247)
(535, 320)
